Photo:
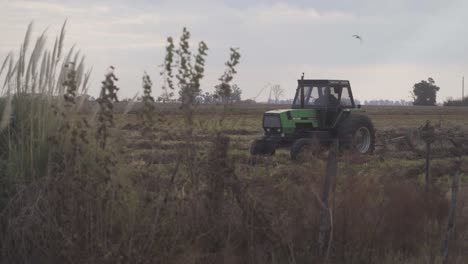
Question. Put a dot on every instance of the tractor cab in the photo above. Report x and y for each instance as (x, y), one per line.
(327, 97)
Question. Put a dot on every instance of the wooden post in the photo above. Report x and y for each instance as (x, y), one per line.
(217, 171)
(428, 163)
(451, 220)
(326, 225)
(428, 135)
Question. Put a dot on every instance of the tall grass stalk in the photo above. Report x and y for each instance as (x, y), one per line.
(32, 96)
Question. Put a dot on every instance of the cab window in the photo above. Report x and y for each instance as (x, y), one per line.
(345, 99)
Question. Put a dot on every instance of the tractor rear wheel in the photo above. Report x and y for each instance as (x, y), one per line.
(357, 134)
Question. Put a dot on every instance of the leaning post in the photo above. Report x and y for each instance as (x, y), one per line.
(326, 225)
(453, 207)
(428, 136)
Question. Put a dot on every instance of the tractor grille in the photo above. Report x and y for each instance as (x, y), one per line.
(272, 124)
(272, 121)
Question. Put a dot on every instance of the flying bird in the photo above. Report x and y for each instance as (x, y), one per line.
(358, 37)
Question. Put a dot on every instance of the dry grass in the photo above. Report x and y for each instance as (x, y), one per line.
(172, 197)
(155, 205)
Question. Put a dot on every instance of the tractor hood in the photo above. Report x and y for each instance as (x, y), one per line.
(290, 120)
(279, 111)
(294, 113)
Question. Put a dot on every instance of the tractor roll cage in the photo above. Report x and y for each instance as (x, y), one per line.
(337, 85)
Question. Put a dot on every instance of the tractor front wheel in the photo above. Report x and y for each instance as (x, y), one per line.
(262, 147)
(303, 147)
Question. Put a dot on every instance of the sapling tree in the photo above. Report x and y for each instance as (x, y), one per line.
(168, 86)
(148, 104)
(184, 68)
(198, 72)
(224, 89)
(70, 85)
(106, 100)
(74, 130)
(190, 69)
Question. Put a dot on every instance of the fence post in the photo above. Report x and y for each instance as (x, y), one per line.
(218, 170)
(453, 206)
(428, 135)
(428, 163)
(326, 225)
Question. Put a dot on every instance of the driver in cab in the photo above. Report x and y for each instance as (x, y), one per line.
(327, 98)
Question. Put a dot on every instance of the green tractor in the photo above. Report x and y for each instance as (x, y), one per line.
(322, 110)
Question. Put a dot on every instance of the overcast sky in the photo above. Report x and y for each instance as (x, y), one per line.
(404, 41)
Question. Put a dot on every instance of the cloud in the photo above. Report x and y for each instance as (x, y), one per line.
(405, 41)
(140, 19)
(40, 6)
(285, 13)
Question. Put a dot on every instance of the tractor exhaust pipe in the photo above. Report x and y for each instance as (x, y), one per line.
(302, 91)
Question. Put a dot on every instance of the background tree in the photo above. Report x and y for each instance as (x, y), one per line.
(236, 94)
(208, 98)
(424, 92)
(277, 91)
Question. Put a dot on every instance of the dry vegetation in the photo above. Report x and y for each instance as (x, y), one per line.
(161, 184)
